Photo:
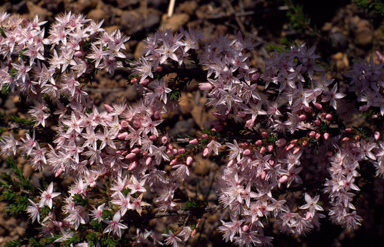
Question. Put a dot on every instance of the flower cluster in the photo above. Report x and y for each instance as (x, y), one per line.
(278, 130)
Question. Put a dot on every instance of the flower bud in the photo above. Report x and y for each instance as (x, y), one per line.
(318, 106)
(326, 136)
(348, 130)
(283, 179)
(345, 139)
(58, 172)
(123, 135)
(205, 152)
(317, 136)
(307, 108)
(374, 116)
(148, 161)
(169, 146)
(134, 80)
(259, 142)
(262, 149)
(263, 175)
(302, 117)
(270, 148)
(130, 156)
(78, 54)
(352, 145)
(305, 143)
(174, 151)
(376, 135)
(247, 152)
(271, 162)
(357, 138)
(204, 136)
(174, 162)
(193, 232)
(109, 108)
(189, 160)
(135, 150)
(323, 114)
(164, 139)
(308, 215)
(328, 116)
(249, 123)
(245, 228)
(296, 150)
(312, 134)
(264, 134)
(145, 153)
(205, 86)
(152, 137)
(317, 122)
(255, 77)
(145, 81)
(181, 151)
(290, 146)
(133, 165)
(231, 163)
(159, 69)
(243, 144)
(194, 141)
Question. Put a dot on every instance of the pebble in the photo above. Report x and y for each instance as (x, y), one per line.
(97, 14)
(131, 22)
(362, 31)
(174, 22)
(183, 127)
(338, 39)
(36, 10)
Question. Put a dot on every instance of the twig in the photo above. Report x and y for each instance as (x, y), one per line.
(171, 8)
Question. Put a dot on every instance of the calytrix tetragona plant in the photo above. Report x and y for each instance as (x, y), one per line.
(282, 130)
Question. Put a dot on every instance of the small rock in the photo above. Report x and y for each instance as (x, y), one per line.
(111, 29)
(121, 4)
(152, 20)
(189, 7)
(182, 127)
(338, 39)
(36, 10)
(327, 27)
(27, 170)
(338, 56)
(83, 5)
(362, 30)
(138, 51)
(2, 231)
(131, 22)
(201, 166)
(175, 21)
(186, 102)
(97, 15)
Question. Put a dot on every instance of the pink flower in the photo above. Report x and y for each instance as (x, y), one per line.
(47, 196)
(312, 205)
(114, 225)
